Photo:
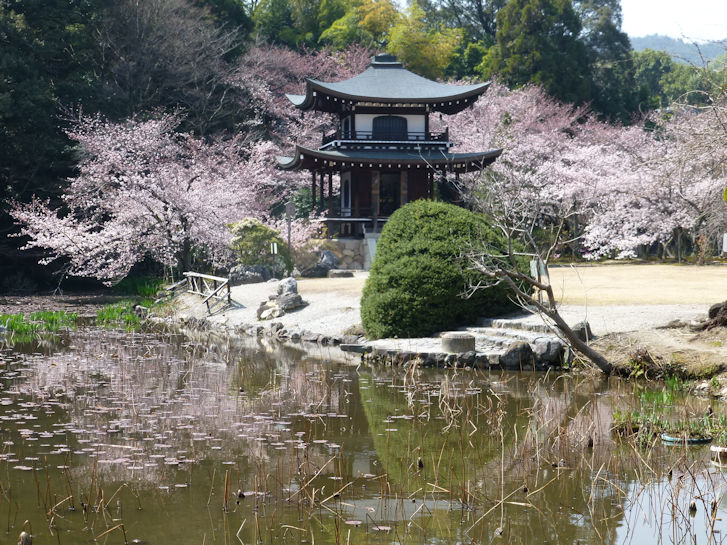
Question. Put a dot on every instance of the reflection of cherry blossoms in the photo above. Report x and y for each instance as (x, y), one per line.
(143, 190)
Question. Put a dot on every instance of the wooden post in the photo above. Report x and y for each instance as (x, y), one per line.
(375, 182)
(330, 194)
(313, 189)
(321, 205)
(404, 187)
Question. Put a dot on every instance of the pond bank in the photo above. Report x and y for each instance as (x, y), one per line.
(622, 324)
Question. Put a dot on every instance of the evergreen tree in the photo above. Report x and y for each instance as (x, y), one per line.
(537, 41)
(660, 80)
(367, 22)
(47, 59)
(609, 48)
(477, 19)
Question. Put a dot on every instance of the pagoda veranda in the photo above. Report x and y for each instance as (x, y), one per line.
(383, 151)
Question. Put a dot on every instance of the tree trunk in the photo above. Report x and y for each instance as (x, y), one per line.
(185, 259)
(514, 277)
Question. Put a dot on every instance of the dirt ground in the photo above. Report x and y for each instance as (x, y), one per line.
(651, 287)
(610, 284)
(647, 284)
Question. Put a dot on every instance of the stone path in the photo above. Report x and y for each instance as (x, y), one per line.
(505, 343)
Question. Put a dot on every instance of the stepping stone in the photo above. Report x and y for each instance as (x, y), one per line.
(458, 341)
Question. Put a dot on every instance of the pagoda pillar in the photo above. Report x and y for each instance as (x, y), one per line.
(404, 187)
(313, 189)
(320, 204)
(375, 184)
(330, 194)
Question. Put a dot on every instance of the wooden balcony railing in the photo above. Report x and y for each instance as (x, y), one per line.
(411, 136)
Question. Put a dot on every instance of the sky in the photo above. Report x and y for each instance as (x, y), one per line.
(694, 20)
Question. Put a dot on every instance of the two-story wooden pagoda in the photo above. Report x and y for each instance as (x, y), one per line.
(383, 149)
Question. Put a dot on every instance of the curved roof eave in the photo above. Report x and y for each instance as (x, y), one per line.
(312, 87)
(377, 156)
(469, 90)
(297, 100)
(288, 163)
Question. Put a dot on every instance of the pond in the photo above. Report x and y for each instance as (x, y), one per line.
(162, 438)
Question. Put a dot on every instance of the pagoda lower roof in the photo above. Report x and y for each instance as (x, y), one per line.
(311, 159)
(387, 82)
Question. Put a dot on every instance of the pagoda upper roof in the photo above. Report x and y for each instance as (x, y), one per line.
(311, 159)
(387, 82)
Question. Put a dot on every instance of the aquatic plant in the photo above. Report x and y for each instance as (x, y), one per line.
(18, 328)
(121, 314)
(44, 320)
(139, 286)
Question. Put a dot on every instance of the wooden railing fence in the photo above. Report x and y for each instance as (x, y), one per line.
(212, 288)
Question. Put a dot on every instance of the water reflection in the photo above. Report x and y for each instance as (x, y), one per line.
(174, 439)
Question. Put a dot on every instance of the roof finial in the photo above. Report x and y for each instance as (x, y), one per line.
(385, 59)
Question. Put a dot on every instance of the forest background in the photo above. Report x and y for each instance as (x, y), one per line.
(218, 68)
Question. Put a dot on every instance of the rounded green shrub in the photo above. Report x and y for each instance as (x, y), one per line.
(418, 279)
(252, 241)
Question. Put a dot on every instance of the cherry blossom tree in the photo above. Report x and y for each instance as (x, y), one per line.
(145, 191)
(543, 155)
(269, 72)
(669, 184)
(622, 188)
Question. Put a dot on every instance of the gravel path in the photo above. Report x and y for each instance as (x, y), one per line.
(621, 298)
(605, 319)
(333, 305)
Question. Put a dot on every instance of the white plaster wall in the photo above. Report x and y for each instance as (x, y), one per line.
(365, 122)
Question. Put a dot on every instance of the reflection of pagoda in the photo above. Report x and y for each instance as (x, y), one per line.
(383, 149)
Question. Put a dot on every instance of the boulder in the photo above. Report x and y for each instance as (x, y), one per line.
(287, 285)
(288, 301)
(468, 358)
(340, 273)
(717, 309)
(328, 259)
(316, 271)
(326, 262)
(249, 274)
(517, 356)
(548, 350)
(267, 313)
(278, 305)
(717, 317)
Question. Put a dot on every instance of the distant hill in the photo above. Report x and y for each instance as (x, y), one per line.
(680, 50)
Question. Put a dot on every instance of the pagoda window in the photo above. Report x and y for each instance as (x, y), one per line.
(346, 128)
(390, 127)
